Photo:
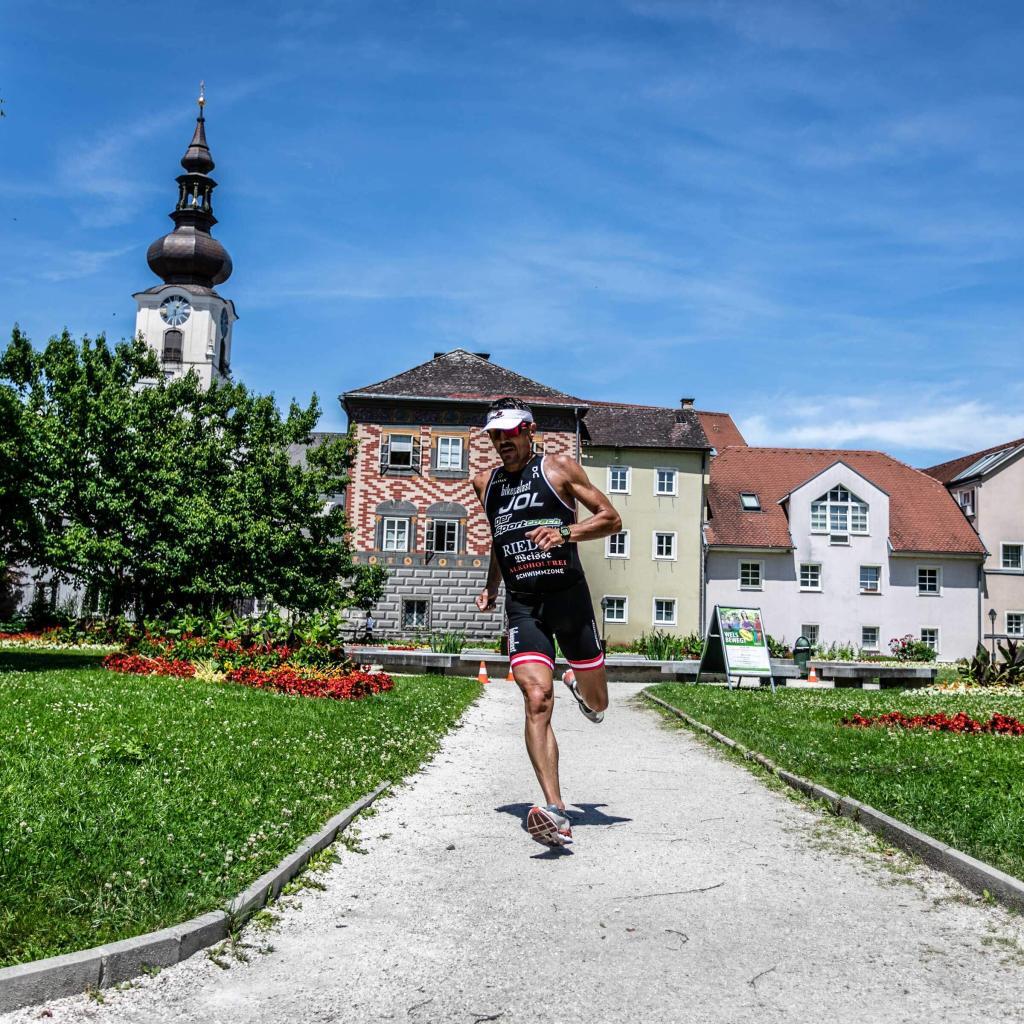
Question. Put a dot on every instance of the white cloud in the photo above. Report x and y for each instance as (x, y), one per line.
(896, 421)
(67, 265)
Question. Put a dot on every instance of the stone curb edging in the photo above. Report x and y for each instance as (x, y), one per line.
(969, 871)
(102, 966)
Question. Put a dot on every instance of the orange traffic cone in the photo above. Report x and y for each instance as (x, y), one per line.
(510, 678)
(481, 676)
(812, 676)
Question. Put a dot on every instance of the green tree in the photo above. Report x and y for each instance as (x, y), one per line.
(166, 495)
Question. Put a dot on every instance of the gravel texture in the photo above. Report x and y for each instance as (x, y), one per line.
(694, 892)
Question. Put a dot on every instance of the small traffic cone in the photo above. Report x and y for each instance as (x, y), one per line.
(812, 676)
(510, 678)
(481, 676)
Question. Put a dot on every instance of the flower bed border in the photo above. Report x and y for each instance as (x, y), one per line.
(975, 874)
(71, 974)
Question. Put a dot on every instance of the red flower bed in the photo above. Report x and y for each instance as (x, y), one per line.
(1002, 725)
(299, 682)
(311, 683)
(140, 665)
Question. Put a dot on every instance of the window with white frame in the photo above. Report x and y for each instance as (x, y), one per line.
(812, 632)
(839, 513)
(665, 481)
(929, 581)
(1015, 623)
(965, 499)
(618, 479)
(415, 613)
(617, 545)
(399, 451)
(869, 637)
(930, 636)
(664, 545)
(449, 453)
(750, 575)
(443, 536)
(750, 502)
(870, 579)
(1012, 557)
(615, 608)
(664, 611)
(810, 576)
(396, 535)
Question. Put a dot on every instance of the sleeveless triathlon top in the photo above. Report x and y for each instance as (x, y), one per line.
(517, 503)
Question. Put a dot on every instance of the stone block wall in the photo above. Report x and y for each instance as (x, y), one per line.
(450, 595)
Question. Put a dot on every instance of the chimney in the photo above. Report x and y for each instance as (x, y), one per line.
(483, 355)
(685, 403)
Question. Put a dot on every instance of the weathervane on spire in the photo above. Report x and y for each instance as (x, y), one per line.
(202, 97)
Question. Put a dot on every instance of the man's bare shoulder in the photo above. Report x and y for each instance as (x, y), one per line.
(562, 466)
(481, 480)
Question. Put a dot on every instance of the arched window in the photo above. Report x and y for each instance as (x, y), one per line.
(396, 526)
(172, 346)
(839, 513)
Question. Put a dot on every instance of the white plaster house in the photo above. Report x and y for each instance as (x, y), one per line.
(842, 546)
(989, 488)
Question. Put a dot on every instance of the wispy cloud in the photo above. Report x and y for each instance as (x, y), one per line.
(923, 423)
(68, 265)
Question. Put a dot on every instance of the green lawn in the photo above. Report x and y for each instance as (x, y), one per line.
(130, 803)
(966, 790)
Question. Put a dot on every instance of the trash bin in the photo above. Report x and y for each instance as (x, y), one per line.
(802, 654)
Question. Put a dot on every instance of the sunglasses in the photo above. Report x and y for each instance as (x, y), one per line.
(511, 432)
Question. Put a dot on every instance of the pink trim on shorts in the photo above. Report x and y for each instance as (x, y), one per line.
(585, 666)
(518, 659)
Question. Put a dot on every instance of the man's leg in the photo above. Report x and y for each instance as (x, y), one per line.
(536, 682)
(593, 686)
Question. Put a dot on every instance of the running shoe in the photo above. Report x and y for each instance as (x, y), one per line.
(569, 678)
(548, 825)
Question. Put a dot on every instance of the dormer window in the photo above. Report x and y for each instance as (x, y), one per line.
(750, 502)
(965, 499)
(839, 513)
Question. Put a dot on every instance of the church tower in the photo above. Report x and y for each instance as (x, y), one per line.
(185, 320)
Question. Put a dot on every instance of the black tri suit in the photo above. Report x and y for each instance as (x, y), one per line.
(546, 592)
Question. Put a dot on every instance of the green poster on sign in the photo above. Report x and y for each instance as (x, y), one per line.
(736, 644)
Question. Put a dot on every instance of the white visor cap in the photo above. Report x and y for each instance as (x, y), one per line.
(506, 419)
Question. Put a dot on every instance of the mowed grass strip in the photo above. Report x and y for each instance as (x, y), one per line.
(130, 803)
(967, 791)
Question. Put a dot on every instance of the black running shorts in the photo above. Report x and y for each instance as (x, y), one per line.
(535, 620)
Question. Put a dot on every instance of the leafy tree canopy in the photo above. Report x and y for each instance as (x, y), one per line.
(167, 495)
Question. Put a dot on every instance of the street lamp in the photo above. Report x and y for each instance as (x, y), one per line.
(992, 632)
(604, 624)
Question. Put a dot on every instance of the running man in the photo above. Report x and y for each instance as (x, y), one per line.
(530, 501)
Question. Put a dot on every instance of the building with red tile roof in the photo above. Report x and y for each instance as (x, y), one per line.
(844, 546)
(989, 488)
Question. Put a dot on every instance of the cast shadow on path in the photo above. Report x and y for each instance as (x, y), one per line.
(579, 815)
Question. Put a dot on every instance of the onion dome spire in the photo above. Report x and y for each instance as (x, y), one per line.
(190, 254)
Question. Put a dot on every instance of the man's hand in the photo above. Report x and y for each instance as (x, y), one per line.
(485, 600)
(546, 537)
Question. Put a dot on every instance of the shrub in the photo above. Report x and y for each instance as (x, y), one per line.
(984, 670)
(661, 646)
(778, 648)
(907, 648)
(451, 642)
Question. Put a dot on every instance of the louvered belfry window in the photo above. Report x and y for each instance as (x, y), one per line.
(172, 346)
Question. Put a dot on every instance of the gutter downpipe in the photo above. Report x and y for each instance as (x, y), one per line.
(576, 415)
(702, 594)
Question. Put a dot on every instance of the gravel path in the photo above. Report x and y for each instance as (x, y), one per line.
(693, 892)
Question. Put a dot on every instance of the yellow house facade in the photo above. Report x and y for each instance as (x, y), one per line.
(653, 465)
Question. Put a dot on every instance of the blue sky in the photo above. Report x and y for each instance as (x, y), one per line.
(810, 215)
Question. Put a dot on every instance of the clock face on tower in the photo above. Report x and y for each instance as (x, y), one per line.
(175, 310)
(223, 324)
